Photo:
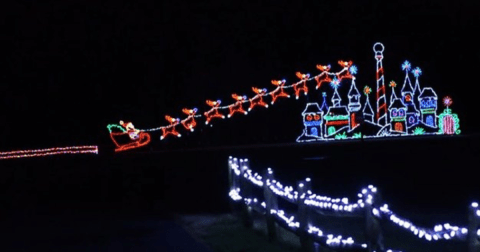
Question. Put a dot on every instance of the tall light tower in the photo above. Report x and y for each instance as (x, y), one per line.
(381, 116)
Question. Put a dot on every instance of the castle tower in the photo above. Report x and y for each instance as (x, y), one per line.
(428, 107)
(336, 99)
(398, 114)
(381, 115)
(354, 104)
(393, 85)
(413, 114)
(324, 107)
(367, 108)
(416, 88)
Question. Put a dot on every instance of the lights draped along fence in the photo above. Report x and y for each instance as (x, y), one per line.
(243, 181)
(89, 149)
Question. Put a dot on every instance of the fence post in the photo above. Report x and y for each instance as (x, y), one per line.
(373, 229)
(270, 203)
(473, 225)
(234, 182)
(303, 216)
(246, 191)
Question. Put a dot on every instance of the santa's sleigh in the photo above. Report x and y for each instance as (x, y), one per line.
(128, 140)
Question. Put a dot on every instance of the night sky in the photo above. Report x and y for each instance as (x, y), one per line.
(70, 68)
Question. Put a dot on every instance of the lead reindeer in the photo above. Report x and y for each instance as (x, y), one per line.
(170, 129)
(278, 92)
(324, 76)
(257, 100)
(302, 85)
(237, 107)
(213, 112)
(189, 122)
(345, 73)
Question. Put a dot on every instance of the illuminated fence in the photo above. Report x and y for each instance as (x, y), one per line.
(243, 182)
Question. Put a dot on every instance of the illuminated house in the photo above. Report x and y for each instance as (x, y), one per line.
(428, 107)
(336, 119)
(398, 114)
(313, 120)
(354, 105)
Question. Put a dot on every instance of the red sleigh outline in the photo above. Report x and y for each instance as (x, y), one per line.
(143, 139)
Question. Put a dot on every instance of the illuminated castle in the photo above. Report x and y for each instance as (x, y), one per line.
(413, 112)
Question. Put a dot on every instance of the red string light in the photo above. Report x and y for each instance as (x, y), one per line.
(50, 151)
(336, 123)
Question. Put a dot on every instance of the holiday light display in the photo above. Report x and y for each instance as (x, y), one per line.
(413, 112)
(334, 118)
(87, 149)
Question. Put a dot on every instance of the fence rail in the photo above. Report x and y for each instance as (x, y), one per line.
(242, 182)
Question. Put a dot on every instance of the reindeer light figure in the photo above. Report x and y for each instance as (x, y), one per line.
(324, 76)
(257, 100)
(170, 129)
(278, 92)
(213, 112)
(345, 73)
(189, 122)
(237, 107)
(302, 85)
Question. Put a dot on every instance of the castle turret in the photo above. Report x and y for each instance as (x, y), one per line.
(367, 108)
(354, 105)
(397, 116)
(324, 107)
(413, 115)
(416, 87)
(428, 100)
(353, 98)
(336, 99)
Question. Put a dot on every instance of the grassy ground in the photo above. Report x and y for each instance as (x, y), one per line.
(225, 233)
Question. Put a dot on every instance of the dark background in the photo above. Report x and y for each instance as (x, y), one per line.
(71, 68)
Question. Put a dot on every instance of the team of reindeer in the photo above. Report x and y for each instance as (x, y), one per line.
(189, 122)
